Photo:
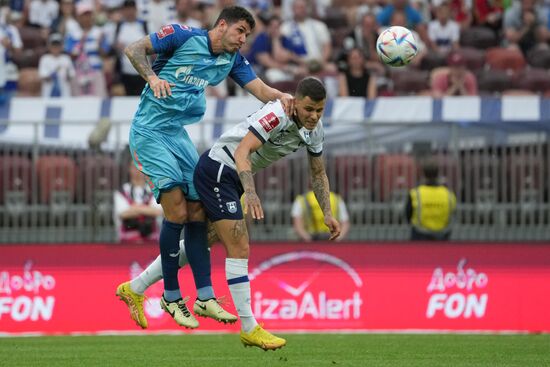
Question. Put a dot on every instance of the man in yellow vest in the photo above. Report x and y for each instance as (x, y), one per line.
(430, 207)
(308, 218)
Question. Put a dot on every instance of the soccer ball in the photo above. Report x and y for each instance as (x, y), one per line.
(396, 46)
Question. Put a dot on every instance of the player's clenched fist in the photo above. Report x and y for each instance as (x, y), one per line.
(161, 88)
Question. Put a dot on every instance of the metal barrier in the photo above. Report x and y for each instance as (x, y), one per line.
(53, 193)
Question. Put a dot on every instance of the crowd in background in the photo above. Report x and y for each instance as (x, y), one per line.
(466, 47)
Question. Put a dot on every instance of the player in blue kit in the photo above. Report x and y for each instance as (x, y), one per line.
(188, 60)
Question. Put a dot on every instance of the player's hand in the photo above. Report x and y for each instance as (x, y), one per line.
(253, 205)
(161, 88)
(288, 102)
(334, 227)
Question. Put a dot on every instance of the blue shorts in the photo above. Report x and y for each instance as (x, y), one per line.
(219, 189)
(167, 159)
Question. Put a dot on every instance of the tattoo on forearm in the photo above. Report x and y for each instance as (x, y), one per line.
(321, 190)
(247, 180)
(137, 54)
(239, 229)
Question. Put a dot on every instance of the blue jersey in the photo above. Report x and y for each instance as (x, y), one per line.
(186, 60)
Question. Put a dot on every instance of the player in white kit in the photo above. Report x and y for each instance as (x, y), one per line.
(225, 172)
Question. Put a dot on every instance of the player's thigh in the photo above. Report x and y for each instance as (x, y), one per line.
(174, 205)
(186, 155)
(195, 211)
(219, 189)
(234, 236)
(156, 160)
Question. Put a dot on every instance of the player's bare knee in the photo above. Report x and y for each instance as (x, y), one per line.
(176, 214)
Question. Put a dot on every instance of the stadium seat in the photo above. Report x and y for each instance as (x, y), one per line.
(474, 58)
(537, 80)
(335, 18)
(508, 59)
(15, 183)
(396, 176)
(539, 58)
(352, 180)
(97, 179)
(492, 81)
(478, 37)
(481, 176)
(288, 86)
(56, 178)
(433, 60)
(29, 84)
(410, 81)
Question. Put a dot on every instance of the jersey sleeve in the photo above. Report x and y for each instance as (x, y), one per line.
(268, 121)
(242, 72)
(315, 148)
(170, 37)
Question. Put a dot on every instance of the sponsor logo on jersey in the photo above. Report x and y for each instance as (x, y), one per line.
(165, 31)
(184, 27)
(182, 74)
(269, 121)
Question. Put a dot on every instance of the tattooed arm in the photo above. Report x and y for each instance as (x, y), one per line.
(249, 144)
(320, 187)
(137, 53)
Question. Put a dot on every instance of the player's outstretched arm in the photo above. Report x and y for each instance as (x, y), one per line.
(137, 53)
(320, 187)
(252, 204)
(265, 94)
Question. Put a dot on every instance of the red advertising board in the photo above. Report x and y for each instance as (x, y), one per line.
(55, 289)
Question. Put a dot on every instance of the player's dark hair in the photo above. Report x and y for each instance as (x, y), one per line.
(233, 14)
(311, 87)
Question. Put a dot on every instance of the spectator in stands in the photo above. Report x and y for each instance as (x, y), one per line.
(364, 37)
(87, 46)
(308, 38)
(461, 11)
(430, 207)
(413, 19)
(42, 13)
(270, 58)
(156, 13)
(127, 30)
(356, 80)
(443, 32)
(525, 25)
(489, 14)
(65, 23)
(135, 209)
(184, 12)
(56, 69)
(11, 47)
(454, 80)
(308, 219)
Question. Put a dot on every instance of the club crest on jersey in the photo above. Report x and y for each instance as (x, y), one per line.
(269, 121)
(231, 207)
(165, 31)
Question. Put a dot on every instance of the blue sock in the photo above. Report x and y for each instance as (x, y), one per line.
(169, 256)
(196, 249)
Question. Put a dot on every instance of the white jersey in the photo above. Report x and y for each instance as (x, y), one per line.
(279, 134)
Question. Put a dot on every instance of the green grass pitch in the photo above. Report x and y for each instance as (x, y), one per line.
(225, 350)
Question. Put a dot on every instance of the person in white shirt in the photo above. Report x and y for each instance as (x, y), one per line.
(443, 32)
(184, 11)
(56, 69)
(308, 37)
(136, 212)
(43, 12)
(156, 13)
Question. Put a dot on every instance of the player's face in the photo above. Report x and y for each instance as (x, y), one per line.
(309, 112)
(234, 36)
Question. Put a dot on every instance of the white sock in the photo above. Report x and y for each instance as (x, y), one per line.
(236, 273)
(153, 273)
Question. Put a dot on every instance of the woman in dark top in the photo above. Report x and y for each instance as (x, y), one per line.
(356, 80)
